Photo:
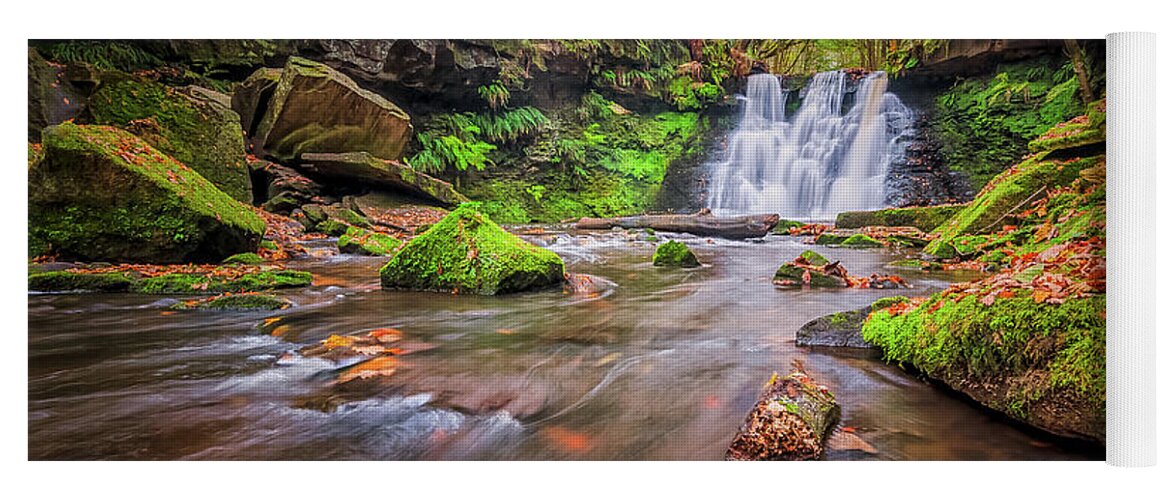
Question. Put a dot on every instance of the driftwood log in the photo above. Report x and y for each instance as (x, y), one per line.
(701, 223)
(791, 421)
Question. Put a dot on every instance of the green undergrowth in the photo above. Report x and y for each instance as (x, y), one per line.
(986, 123)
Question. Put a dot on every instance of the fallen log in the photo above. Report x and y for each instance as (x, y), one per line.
(701, 223)
(791, 421)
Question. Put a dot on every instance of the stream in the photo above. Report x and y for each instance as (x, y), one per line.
(664, 364)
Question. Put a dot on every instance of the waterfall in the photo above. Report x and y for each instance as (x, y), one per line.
(819, 163)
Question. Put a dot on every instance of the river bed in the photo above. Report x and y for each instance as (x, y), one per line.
(662, 365)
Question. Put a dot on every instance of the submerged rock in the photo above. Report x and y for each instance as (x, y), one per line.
(812, 269)
(102, 194)
(790, 421)
(193, 125)
(841, 329)
(468, 253)
(675, 254)
(316, 109)
(238, 302)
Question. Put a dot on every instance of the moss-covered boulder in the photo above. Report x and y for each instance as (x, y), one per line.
(65, 281)
(784, 225)
(366, 169)
(103, 194)
(1043, 364)
(193, 125)
(923, 218)
(364, 242)
(468, 253)
(840, 329)
(238, 302)
(813, 258)
(316, 109)
(831, 238)
(179, 283)
(795, 275)
(675, 254)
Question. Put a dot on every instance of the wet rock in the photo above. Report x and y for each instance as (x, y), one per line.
(923, 218)
(101, 193)
(238, 302)
(282, 189)
(841, 329)
(675, 254)
(250, 99)
(366, 169)
(316, 109)
(468, 253)
(790, 421)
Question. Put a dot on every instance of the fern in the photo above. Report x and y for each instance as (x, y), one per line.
(439, 153)
(495, 94)
(103, 54)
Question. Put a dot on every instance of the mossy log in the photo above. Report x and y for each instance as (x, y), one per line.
(790, 421)
(701, 223)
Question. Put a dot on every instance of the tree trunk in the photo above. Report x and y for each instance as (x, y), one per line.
(791, 421)
(1079, 69)
(701, 223)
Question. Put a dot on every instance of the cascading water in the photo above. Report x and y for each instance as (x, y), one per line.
(821, 162)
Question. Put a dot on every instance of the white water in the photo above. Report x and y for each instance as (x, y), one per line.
(820, 163)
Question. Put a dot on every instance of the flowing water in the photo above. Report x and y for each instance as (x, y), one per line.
(826, 159)
(661, 364)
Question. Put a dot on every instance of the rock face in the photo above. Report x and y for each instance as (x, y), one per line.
(790, 421)
(52, 99)
(282, 189)
(316, 109)
(468, 253)
(193, 125)
(675, 254)
(367, 169)
(102, 194)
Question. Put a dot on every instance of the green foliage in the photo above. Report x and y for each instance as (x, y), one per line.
(443, 152)
(248, 258)
(495, 94)
(985, 124)
(460, 141)
(687, 94)
(103, 54)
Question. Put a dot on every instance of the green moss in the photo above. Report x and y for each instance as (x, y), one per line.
(861, 241)
(1081, 131)
(244, 258)
(104, 194)
(197, 132)
(35, 154)
(675, 254)
(968, 340)
(333, 227)
(60, 281)
(784, 225)
(828, 238)
(269, 245)
(360, 241)
(814, 258)
(1009, 193)
(468, 253)
(923, 218)
(189, 283)
(916, 264)
(886, 302)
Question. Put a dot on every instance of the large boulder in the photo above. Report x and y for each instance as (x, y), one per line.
(103, 194)
(316, 109)
(366, 169)
(468, 253)
(250, 98)
(193, 125)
